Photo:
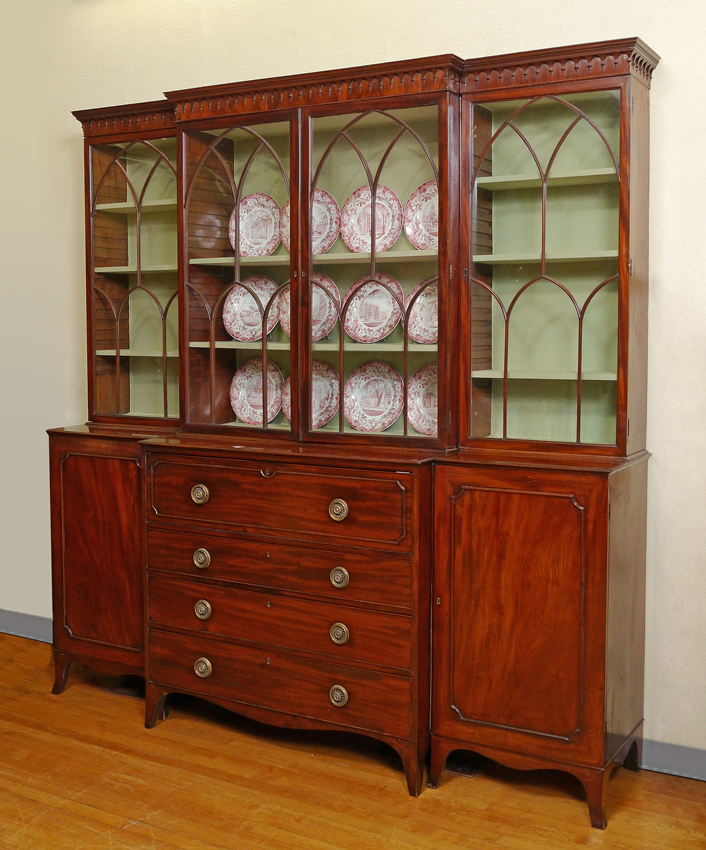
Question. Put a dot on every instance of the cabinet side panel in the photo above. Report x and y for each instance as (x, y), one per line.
(625, 630)
(518, 610)
(101, 550)
(639, 278)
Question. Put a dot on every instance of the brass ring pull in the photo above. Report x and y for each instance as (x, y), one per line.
(339, 577)
(202, 558)
(338, 696)
(203, 668)
(200, 494)
(339, 633)
(338, 510)
(203, 609)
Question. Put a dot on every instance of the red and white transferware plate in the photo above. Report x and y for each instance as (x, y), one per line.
(421, 216)
(325, 394)
(242, 317)
(324, 310)
(356, 217)
(325, 222)
(373, 312)
(259, 225)
(423, 319)
(246, 392)
(423, 400)
(373, 396)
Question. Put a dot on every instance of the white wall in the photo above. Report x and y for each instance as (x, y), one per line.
(60, 55)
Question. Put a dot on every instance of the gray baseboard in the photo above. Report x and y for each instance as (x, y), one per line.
(662, 758)
(26, 625)
(671, 758)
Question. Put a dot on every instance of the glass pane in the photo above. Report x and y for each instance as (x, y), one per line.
(545, 199)
(238, 276)
(135, 278)
(374, 284)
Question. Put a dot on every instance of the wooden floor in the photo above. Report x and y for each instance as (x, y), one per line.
(80, 772)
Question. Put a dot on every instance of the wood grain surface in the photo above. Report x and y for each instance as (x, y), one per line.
(79, 772)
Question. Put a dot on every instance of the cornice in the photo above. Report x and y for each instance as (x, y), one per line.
(417, 76)
(130, 118)
(560, 65)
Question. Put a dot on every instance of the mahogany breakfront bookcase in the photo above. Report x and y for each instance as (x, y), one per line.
(293, 570)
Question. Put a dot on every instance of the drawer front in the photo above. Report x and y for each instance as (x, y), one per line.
(281, 621)
(378, 702)
(287, 499)
(340, 576)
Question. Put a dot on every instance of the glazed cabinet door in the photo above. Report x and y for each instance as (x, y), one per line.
(132, 246)
(240, 214)
(375, 244)
(519, 611)
(97, 553)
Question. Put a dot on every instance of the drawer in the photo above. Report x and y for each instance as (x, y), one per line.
(377, 702)
(367, 578)
(281, 621)
(287, 499)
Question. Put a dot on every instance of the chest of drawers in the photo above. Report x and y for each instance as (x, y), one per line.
(292, 591)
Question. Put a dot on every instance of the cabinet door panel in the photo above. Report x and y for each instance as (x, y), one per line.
(520, 623)
(102, 568)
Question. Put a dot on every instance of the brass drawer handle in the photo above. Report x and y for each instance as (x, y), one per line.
(338, 696)
(339, 577)
(203, 668)
(202, 558)
(339, 633)
(200, 494)
(203, 609)
(338, 510)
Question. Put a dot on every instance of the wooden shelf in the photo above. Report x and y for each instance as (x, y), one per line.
(373, 346)
(134, 352)
(513, 259)
(529, 181)
(545, 376)
(244, 346)
(128, 207)
(272, 260)
(168, 267)
(344, 257)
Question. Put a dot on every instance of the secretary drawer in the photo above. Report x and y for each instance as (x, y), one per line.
(343, 576)
(347, 634)
(366, 508)
(378, 702)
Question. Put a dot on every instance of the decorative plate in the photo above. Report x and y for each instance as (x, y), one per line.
(373, 396)
(325, 222)
(421, 216)
(373, 312)
(356, 219)
(423, 320)
(423, 400)
(246, 392)
(325, 394)
(324, 311)
(241, 315)
(259, 225)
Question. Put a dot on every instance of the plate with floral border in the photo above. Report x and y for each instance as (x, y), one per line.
(423, 400)
(373, 312)
(325, 223)
(246, 392)
(356, 218)
(259, 225)
(423, 319)
(324, 309)
(421, 216)
(325, 395)
(373, 396)
(241, 315)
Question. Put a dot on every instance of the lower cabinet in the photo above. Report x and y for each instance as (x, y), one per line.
(97, 551)
(293, 593)
(539, 618)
